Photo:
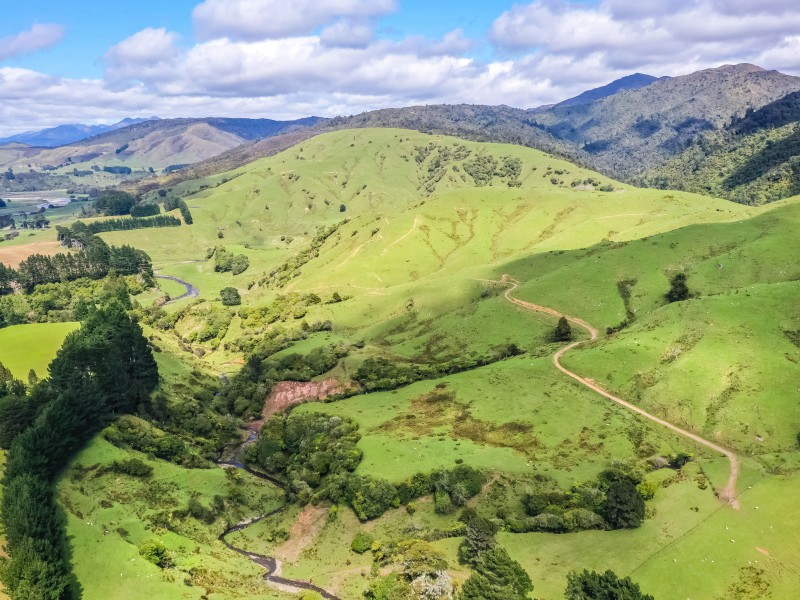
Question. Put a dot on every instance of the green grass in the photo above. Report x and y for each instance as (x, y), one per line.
(26, 347)
(111, 515)
(724, 363)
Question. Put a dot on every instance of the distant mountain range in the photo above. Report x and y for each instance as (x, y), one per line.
(631, 131)
(147, 144)
(629, 82)
(62, 135)
(731, 131)
(624, 129)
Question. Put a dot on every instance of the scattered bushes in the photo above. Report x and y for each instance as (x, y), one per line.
(382, 374)
(133, 467)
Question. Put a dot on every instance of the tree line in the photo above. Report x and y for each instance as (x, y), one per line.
(96, 260)
(103, 369)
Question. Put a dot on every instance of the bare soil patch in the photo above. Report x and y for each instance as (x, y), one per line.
(11, 256)
(290, 393)
(303, 533)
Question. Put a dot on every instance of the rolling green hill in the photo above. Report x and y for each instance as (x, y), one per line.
(408, 230)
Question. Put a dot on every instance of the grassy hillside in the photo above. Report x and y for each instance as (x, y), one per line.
(406, 228)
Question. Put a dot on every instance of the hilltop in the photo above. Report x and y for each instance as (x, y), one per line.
(629, 82)
(638, 129)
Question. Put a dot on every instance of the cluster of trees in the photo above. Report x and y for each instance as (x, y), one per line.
(96, 260)
(225, 261)
(317, 455)
(495, 575)
(145, 210)
(118, 170)
(589, 585)
(7, 277)
(133, 223)
(230, 296)
(134, 434)
(422, 572)
(112, 203)
(678, 289)
(180, 204)
(104, 368)
(383, 374)
(66, 301)
(248, 389)
(615, 500)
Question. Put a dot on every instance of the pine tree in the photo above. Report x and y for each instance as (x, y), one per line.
(563, 332)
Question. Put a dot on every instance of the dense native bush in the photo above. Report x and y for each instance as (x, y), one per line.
(383, 374)
(615, 500)
(318, 454)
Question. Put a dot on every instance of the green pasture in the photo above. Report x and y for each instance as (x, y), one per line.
(26, 347)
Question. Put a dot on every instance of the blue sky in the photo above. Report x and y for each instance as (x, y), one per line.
(93, 26)
(93, 61)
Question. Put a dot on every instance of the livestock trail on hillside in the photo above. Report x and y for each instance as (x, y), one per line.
(726, 494)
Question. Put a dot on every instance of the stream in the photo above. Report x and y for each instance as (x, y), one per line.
(272, 565)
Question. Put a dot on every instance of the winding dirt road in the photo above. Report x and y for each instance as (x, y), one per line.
(726, 494)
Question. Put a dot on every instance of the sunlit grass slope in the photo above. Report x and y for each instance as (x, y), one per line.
(414, 208)
(26, 347)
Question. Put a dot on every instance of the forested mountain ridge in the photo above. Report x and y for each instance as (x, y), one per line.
(755, 159)
(629, 132)
(629, 82)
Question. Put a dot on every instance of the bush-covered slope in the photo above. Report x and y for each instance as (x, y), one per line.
(755, 159)
(631, 131)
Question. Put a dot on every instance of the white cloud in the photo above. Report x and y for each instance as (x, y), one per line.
(649, 34)
(348, 33)
(325, 58)
(38, 37)
(262, 19)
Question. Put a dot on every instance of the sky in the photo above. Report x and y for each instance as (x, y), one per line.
(98, 62)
